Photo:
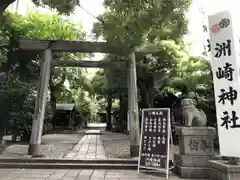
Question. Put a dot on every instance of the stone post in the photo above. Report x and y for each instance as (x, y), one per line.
(133, 107)
(195, 150)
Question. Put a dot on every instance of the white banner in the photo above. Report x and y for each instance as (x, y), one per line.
(225, 66)
(205, 31)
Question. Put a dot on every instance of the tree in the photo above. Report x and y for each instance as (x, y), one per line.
(63, 6)
(194, 76)
(18, 92)
(162, 23)
(99, 84)
(55, 28)
(154, 72)
(137, 23)
(110, 86)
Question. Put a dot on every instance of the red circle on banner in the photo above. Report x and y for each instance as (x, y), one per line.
(215, 28)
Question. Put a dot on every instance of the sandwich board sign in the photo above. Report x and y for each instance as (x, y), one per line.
(155, 140)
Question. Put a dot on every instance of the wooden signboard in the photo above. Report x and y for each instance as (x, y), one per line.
(155, 140)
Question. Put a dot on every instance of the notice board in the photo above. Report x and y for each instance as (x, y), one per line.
(155, 139)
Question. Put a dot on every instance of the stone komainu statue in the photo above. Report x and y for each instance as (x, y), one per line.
(191, 115)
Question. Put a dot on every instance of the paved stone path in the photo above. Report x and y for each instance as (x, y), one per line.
(94, 145)
(85, 174)
(89, 147)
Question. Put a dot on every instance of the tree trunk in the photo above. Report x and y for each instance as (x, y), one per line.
(109, 113)
(53, 99)
(150, 97)
(122, 127)
(147, 91)
(52, 89)
(147, 96)
(120, 121)
(4, 111)
(123, 113)
(3, 125)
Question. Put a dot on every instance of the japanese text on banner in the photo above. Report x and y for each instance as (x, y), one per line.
(204, 29)
(226, 81)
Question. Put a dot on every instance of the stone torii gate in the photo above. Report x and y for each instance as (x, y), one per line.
(49, 46)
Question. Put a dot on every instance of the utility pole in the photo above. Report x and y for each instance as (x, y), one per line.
(40, 105)
(133, 117)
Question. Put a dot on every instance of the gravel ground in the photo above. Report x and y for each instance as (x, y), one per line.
(117, 145)
(53, 146)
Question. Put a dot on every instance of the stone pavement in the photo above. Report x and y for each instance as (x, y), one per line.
(106, 145)
(89, 147)
(85, 174)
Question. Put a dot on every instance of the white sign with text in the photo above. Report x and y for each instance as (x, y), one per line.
(225, 66)
(205, 31)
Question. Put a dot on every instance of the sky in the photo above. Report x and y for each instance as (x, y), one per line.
(210, 7)
(195, 37)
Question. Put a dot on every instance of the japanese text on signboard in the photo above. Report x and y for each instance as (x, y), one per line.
(154, 138)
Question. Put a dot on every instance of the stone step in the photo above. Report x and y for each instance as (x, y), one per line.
(15, 165)
(67, 161)
(93, 132)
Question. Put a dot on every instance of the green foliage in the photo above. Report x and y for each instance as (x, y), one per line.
(99, 83)
(82, 103)
(115, 104)
(137, 24)
(18, 94)
(87, 105)
(63, 6)
(195, 75)
(164, 24)
(46, 26)
(190, 72)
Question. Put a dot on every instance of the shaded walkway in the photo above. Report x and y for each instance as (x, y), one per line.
(106, 145)
(89, 147)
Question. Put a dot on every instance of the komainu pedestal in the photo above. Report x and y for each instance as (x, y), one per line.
(221, 170)
(195, 150)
